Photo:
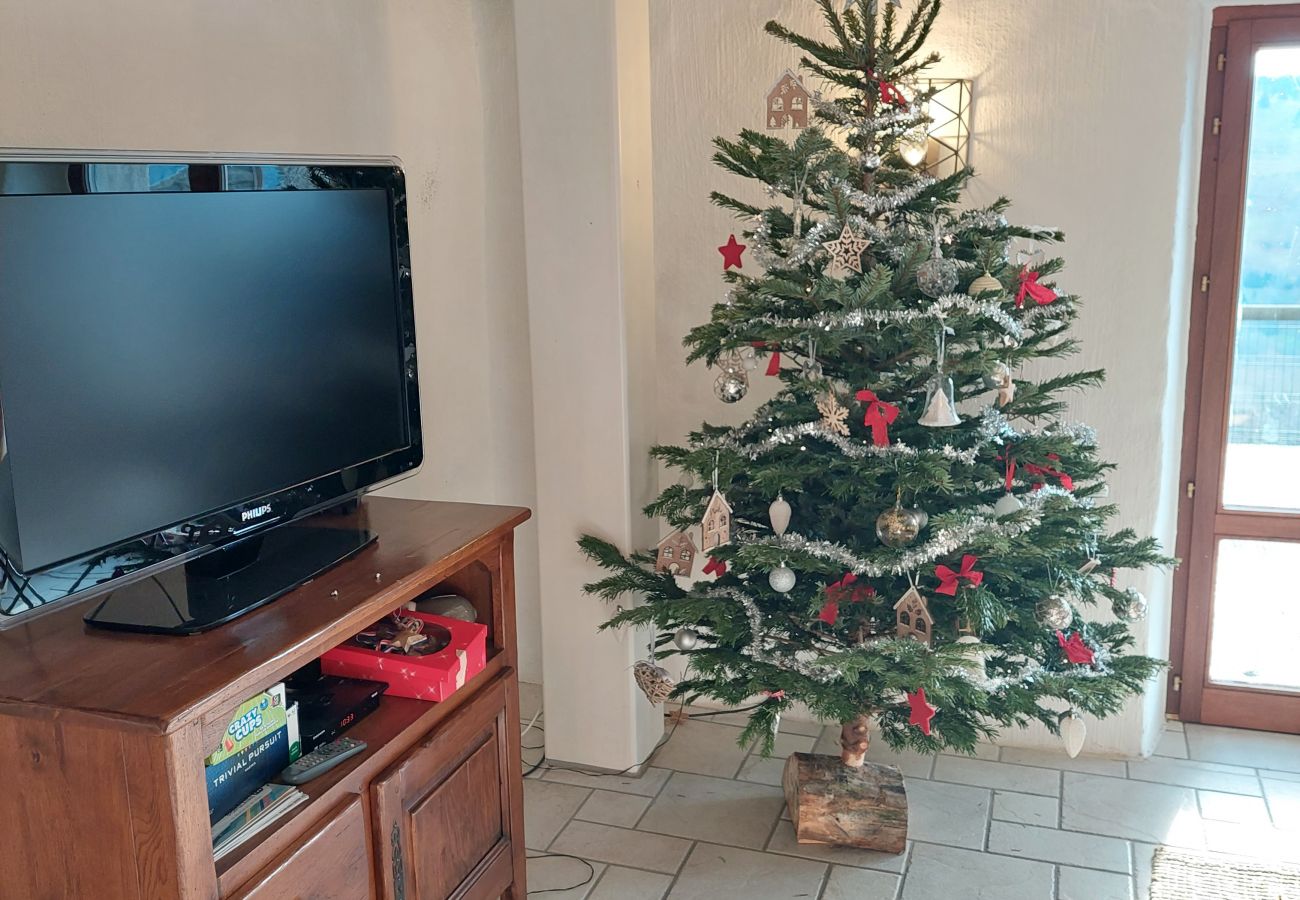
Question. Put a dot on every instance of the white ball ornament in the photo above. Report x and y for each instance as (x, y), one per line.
(782, 579)
(1008, 505)
(779, 513)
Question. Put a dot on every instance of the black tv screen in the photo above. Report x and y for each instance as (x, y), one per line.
(171, 355)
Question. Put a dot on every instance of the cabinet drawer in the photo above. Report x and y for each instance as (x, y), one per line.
(331, 862)
(442, 813)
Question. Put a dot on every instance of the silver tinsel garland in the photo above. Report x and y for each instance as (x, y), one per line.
(789, 434)
(945, 542)
(936, 311)
(899, 118)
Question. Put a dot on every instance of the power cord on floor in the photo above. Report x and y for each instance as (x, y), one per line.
(591, 873)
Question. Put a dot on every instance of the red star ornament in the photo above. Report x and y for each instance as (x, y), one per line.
(922, 712)
(1076, 651)
(731, 251)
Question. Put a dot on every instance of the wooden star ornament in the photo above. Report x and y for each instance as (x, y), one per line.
(846, 251)
(922, 712)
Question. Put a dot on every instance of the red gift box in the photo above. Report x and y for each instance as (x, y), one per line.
(434, 676)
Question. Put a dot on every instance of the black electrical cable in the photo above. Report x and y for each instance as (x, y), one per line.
(591, 873)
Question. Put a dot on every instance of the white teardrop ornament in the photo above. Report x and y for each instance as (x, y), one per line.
(779, 513)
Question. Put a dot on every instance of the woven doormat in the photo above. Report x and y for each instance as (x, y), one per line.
(1182, 875)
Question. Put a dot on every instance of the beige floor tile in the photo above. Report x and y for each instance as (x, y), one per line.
(783, 841)
(1262, 841)
(1057, 846)
(762, 770)
(948, 873)
(982, 751)
(1257, 749)
(725, 873)
(1026, 809)
(1143, 857)
(786, 744)
(947, 813)
(622, 846)
(1232, 807)
(613, 808)
(1136, 810)
(1172, 744)
(860, 884)
(551, 873)
(717, 809)
(1283, 802)
(1088, 884)
(704, 749)
(1194, 774)
(647, 784)
(547, 809)
(1059, 759)
(1003, 776)
(619, 883)
(1173, 725)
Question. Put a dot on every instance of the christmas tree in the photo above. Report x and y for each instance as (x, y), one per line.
(908, 533)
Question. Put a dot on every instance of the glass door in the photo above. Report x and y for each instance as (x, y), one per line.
(1240, 533)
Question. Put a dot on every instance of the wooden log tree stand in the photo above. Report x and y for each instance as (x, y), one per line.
(847, 801)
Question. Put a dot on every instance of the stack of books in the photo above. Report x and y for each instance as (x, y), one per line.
(266, 805)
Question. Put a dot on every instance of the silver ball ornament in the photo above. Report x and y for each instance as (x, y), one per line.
(897, 528)
(1054, 612)
(937, 276)
(921, 516)
(686, 638)
(782, 579)
(731, 386)
(1133, 608)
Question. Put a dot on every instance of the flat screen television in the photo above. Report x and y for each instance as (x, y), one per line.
(195, 357)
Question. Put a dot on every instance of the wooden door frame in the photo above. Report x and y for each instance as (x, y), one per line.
(1213, 307)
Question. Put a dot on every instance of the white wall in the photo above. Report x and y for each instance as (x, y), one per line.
(1086, 115)
(430, 81)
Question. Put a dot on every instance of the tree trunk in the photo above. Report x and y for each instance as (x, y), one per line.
(855, 738)
(831, 803)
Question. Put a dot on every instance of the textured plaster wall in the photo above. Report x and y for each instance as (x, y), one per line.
(430, 81)
(1086, 116)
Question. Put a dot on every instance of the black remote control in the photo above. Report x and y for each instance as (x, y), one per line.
(321, 760)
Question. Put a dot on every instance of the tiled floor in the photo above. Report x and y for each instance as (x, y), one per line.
(707, 820)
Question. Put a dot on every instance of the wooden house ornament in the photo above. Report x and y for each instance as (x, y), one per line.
(716, 526)
(913, 617)
(676, 554)
(788, 103)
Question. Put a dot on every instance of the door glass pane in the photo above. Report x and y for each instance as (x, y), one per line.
(1263, 448)
(1256, 615)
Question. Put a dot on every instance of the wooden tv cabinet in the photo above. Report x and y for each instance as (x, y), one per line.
(103, 734)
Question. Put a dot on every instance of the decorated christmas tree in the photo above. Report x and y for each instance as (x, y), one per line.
(910, 533)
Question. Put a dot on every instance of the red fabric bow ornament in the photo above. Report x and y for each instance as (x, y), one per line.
(840, 592)
(775, 695)
(1048, 472)
(948, 579)
(880, 415)
(1029, 287)
(889, 92)
(773, 364)
(1076, 651)
(716, 567)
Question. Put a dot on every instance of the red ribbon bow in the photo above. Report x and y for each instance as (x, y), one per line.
(1048, 472)
(1011, 469)
(880, 415)
(1076, 651)
(948, 578)
(773, 364)
(716, 567)
(1029, 286)
(841, 591)
(775, 695)
(889, 92)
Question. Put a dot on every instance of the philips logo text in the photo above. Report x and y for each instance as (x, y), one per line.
(256, 513)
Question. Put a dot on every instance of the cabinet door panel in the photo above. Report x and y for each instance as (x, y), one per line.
(442, 813)
(330, 863)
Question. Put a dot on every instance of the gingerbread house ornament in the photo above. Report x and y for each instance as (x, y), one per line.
(716, 526)
(913, 617)
(788, 103)
(676, 554)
